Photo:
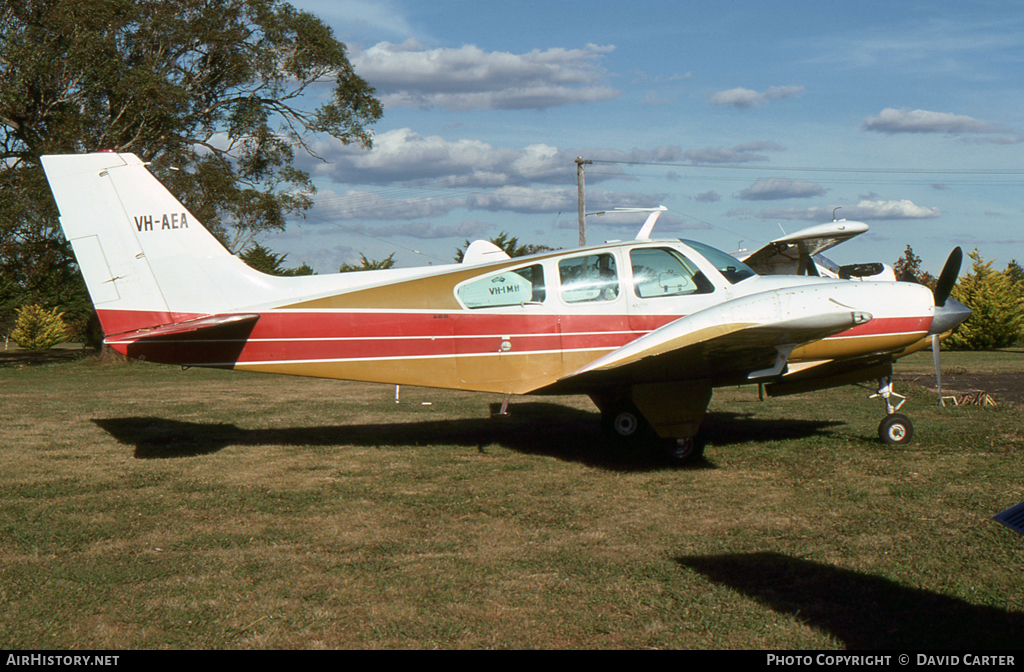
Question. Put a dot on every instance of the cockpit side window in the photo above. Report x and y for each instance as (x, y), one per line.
(589, 278)
(508, 288)
(729, 266)
(662, 272)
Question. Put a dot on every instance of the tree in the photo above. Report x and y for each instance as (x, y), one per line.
(369, 264)
(908, 269)
(216, 94)
(510, 244)
(1015, 274)
(997, 305)
(266, 261)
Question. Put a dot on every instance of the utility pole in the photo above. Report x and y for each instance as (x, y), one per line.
(581, 197)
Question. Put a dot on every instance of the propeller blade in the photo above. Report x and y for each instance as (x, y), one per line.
(938, 371)
(950, 272)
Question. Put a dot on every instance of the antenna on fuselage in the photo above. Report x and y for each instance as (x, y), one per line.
(645, 230)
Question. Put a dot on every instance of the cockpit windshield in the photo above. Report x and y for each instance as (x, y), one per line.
(729, 266)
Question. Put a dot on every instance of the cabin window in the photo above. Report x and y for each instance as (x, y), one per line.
(508, 288)
(590, 278)
(661, 272)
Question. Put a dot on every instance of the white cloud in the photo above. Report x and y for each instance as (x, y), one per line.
(630, 222)
(864, 210)
(739, 154)
(380, 17)
(365, 205)
(891, 120)
(777, 188)
(524, 199)
(405, 157)
(949, 47)
(531, 200)
(369, 205)
(469, 78)
(747, 98)
(426, 230)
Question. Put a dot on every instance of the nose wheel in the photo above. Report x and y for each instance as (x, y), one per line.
(895, 428)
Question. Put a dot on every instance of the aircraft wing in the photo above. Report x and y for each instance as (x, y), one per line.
(738, 341)
(785, 254)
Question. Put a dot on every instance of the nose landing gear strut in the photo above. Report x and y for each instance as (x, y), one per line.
(895, 428)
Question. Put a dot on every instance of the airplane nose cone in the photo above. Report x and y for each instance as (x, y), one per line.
(948, 316)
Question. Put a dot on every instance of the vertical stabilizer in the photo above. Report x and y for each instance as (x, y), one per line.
(121, 284)
(147, 261)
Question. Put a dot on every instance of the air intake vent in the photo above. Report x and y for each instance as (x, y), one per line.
(1013, 518)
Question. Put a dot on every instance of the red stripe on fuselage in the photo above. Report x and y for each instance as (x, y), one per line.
(332, 335)
(287, 336)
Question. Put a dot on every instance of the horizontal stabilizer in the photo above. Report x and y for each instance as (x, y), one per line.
(217, 341)
(191, 329)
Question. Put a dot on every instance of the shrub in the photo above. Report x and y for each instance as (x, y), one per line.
(39, 329)
(997, 303)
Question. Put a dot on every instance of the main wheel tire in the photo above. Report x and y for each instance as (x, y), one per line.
(684, 451)
(623, 422)
(895, 429)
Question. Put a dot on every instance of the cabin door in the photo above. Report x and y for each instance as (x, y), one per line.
(508, 339)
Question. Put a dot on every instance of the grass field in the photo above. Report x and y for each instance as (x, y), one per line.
(149, 507)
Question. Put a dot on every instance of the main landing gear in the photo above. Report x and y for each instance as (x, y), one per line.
(622, 421)
(895, 428)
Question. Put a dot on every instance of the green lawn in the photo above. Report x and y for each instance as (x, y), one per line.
(148, 507)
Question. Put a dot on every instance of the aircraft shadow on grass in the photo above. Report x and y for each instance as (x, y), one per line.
(862, 611)
(531, 428)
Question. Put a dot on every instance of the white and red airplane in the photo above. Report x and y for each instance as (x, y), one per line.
(646, 328)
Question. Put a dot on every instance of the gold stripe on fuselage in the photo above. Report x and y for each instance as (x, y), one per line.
(508, 373)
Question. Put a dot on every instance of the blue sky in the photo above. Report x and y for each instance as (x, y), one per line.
(743, 118)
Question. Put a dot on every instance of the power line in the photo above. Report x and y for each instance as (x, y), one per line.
(851, 181)
(807, 169)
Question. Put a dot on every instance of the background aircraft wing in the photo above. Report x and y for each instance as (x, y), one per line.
(734, 342)
(790, 253)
